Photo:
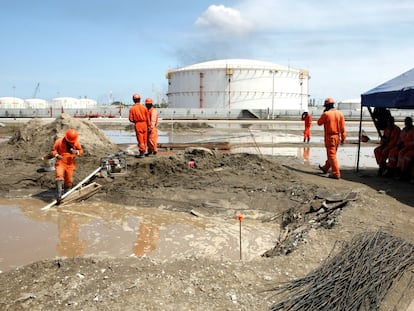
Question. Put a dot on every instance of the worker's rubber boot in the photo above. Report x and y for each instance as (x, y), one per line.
(59, 190)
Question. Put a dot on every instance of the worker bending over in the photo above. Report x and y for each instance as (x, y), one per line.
(65, 151)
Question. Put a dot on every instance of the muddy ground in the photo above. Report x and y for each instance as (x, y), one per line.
(311, 213)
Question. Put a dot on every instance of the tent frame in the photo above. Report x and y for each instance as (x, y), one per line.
(395, 93)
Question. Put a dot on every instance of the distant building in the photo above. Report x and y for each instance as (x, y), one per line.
(73, 103)
(350, 104)
(238, 84)
(12, 103)
(87, 103)
(36, 103)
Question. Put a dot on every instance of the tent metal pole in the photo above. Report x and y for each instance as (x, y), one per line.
(359, 139)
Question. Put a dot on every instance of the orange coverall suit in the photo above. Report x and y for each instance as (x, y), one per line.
(308, 124)
(152, 131)
(388, 141)
(405, 155)
(334, 127)
(138, 114)
(404, 144)
(66, 165)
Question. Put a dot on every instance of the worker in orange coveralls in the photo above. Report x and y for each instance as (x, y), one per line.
(139, 115)
(308, 123)
(334, 130)
(397, 159)
(388, 141)
(152, 130)
(65, 151)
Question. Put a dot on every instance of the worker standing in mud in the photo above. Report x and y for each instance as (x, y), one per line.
(334, 131)
(65, 151)
(152, 130)
(139, 115)
(307, 118)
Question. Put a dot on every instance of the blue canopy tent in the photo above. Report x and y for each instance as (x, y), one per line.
(395, 93)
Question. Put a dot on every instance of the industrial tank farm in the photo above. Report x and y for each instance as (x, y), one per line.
(238, 84)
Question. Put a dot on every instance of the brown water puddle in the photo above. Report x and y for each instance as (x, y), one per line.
(29, 234)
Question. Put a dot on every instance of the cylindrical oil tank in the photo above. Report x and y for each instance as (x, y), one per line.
(36, 103)
(87, 103)
(12, 103)
(238, 84)
(65, 102)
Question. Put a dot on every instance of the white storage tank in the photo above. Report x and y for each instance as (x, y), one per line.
(12, 103)
(238, 84)
(36, 103)
(65, 102)
(87, 103)
(350, 104)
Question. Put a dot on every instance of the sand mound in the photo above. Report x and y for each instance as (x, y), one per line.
(36, 139)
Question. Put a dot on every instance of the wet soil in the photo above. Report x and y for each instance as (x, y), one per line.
(310, 212)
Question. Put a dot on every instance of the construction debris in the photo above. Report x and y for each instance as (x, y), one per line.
(322, 211)
(357, 278)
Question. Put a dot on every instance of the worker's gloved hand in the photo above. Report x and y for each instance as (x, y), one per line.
(342, 142)
(149, 130)
(58, 156)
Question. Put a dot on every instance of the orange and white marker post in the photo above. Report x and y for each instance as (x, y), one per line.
(240, 218)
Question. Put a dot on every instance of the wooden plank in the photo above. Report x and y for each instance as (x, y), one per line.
(82, 193)
(73, 189)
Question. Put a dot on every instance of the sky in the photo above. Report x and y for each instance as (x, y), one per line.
(107, 50)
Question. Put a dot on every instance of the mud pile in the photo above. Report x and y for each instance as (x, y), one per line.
(36, 138)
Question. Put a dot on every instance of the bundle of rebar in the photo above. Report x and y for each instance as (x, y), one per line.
(358, 277)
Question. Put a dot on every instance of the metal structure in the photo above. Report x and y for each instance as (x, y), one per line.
(238, 84)
(36, 90)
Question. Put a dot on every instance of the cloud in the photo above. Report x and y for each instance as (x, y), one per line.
(227, 21)
(347, 45)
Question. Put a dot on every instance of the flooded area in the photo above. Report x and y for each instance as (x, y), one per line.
(104, 229)
(269, 139)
